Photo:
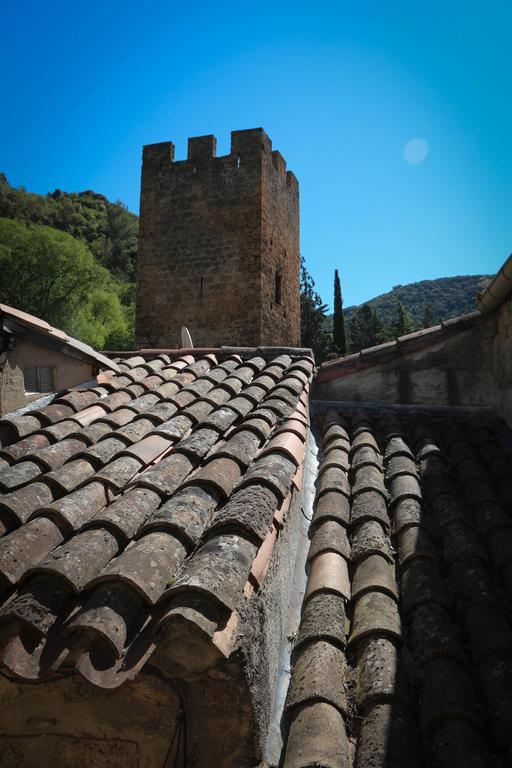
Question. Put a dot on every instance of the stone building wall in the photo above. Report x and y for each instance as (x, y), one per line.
(501, 362)
(219, 243)
(454, 371)
(67, 372)
(12, 391)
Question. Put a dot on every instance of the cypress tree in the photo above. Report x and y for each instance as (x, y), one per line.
(403, 323)
(338, 333)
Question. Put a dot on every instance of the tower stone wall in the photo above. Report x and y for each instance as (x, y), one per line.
(219, 245)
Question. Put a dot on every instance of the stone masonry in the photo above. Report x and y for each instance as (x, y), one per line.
(219, 245)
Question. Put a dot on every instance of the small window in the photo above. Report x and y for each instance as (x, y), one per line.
(39, 379)
(201, 285)
(30, 377)
(278, 286)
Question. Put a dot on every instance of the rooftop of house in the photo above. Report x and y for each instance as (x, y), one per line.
(404, 652)
(490, 300)
(15, 322)
(139, 514)
(143, 504)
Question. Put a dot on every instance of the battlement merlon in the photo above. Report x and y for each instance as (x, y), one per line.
(279, 162)
(157, 154)
(201, 147)
(251, 142)
(293, 182)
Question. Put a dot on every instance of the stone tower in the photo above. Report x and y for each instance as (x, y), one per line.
(219, 245)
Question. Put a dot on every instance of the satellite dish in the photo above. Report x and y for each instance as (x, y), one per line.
(186, 338)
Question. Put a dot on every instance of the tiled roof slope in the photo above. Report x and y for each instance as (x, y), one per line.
(389, 350)
(153, 498)
(404, 652)
(13, 320)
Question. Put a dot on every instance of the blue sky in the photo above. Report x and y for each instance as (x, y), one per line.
(340, 87)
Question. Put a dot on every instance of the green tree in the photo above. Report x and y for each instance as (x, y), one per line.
(52, 275)
(45, 272)
(313, 316)
(103, 321)
(108, 229)
(403, 322)
(365, 329)
(428, 317)
(338, 334)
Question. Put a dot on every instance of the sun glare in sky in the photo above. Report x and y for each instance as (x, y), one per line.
(415, 151)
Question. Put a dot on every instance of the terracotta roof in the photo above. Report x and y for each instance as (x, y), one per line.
(404, 651)
(39, 331)
(144, 505)
(384, 353)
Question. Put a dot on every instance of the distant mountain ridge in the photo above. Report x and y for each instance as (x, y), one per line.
(447, 297)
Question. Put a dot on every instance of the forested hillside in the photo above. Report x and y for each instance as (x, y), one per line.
(441, 299)
(70, 259)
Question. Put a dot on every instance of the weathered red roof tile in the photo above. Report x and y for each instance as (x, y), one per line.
(317, 736)
(371, 574)
(329, 573)
(27, 545)
(273, 470)
(287, 443)
(19, 475)
(329, 536)
(112, 612)
(332, 505)
(20, 504)
(186, 513)
(24, 447)
(375, 613)
(319, 675)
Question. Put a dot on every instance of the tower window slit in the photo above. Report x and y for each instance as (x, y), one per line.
(278, 288)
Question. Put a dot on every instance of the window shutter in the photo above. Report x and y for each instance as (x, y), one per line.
(46, 380)
(30, 379)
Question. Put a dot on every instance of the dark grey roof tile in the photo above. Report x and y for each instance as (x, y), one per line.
(148, 565)
(317, 736)
(187, 513)
(388, 737)
(250, 509)
(166, 476)
(77, 507)
(218, 569)
(79, 559)
(369, 505)
(323, 618)
(127, 513)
